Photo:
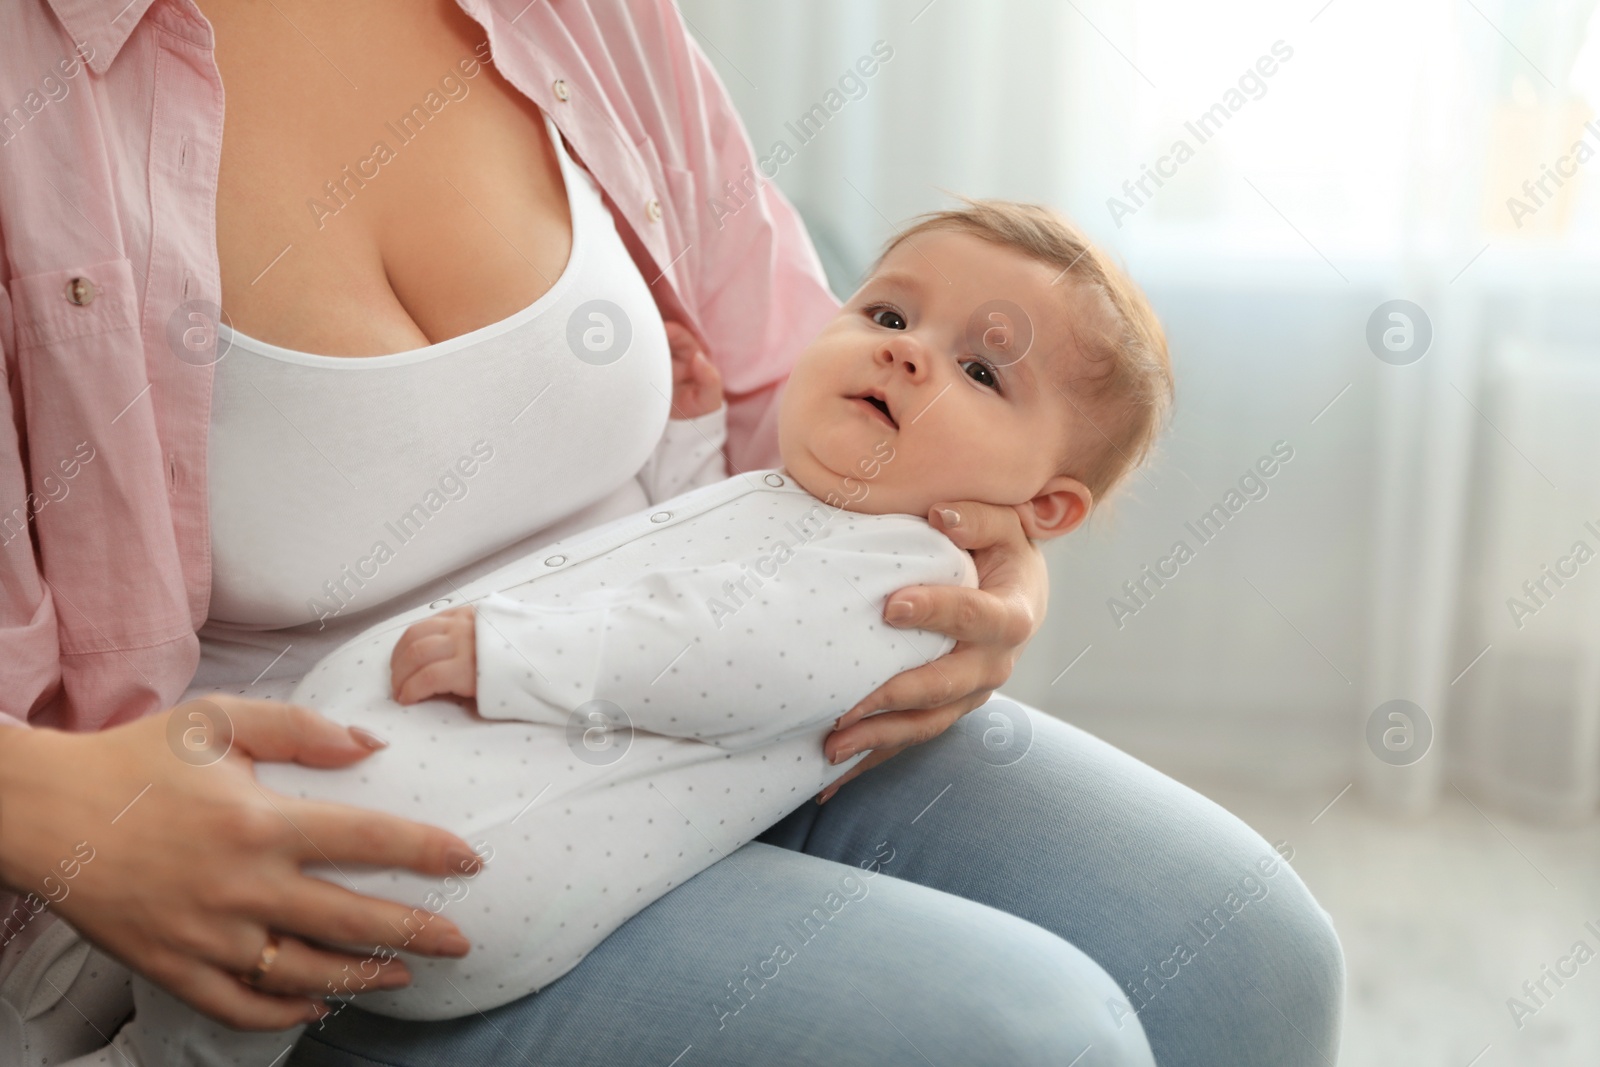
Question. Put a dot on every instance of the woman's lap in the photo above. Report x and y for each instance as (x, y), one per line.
(1117, 859)
(1092, 848)
(878, 972)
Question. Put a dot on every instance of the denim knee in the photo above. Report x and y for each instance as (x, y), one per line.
(1271, 972)
(1019, 994)
(1300, 974)
(1209, 932)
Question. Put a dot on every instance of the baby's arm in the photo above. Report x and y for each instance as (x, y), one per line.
(689, 454)
(738, 654)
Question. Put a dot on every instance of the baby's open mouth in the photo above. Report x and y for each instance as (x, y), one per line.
(878, 404)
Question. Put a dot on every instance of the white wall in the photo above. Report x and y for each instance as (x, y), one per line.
(1374, 165)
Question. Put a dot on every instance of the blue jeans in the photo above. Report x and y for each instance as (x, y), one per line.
(941, 909)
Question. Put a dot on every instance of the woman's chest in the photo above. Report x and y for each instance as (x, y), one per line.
(382, 186)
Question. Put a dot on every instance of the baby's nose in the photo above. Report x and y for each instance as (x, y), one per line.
(905, 354)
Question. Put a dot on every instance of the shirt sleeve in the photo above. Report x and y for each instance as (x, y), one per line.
(758, 290)
(29, 653)
(738, 654)
(84, 644)
(688, 456)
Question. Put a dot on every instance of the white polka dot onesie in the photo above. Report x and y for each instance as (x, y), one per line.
(652, 694)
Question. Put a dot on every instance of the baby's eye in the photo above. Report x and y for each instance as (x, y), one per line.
(982, 373)
(887, 317)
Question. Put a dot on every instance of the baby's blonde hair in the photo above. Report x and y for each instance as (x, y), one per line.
(1130, 396)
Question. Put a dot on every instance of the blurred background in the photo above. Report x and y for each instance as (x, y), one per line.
(1372, 230)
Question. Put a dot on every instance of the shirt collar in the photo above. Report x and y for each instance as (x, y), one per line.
(100, 27)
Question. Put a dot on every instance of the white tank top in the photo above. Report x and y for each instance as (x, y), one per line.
(339, 485)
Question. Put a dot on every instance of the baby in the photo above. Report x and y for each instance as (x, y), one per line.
(653, 693)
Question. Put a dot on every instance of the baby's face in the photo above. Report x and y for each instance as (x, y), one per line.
(941, 380)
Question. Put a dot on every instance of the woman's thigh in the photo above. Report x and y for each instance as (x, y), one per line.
(774, 957)
(1212, 936)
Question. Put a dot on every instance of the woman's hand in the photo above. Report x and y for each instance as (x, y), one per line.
(991, 624)
(168, 855)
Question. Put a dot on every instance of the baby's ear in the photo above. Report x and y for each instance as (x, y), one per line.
(1058, 508)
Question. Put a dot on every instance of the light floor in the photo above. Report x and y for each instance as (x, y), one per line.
(1442, 919)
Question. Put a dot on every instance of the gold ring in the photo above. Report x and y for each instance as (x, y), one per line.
(269, 956)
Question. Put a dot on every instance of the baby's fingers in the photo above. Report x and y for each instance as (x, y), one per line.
(415, 651)
(457, 675)
(443, 623)
(681, 343)
(704, 374)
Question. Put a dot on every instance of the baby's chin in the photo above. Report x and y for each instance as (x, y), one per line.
(874, 480)
(860, 494)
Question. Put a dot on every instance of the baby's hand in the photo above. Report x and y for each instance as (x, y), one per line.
(435, 656)
(696, 384)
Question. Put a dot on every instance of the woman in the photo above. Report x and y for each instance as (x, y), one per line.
(1033, 907)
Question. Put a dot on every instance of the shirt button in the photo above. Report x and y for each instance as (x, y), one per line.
(652, 210)
(561, 90)
(554, 561)
(661, 516)
(81, 291)
(773, 480)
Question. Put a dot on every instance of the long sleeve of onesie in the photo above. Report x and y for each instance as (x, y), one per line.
(736, 654)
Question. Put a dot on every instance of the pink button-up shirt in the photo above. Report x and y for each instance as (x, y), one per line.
(110, 137)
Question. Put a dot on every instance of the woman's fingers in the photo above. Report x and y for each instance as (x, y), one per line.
(230, 1001)
(958, 674)
(1009, 565)
(304, 970)
(204, 860)
(975, 525)
(891, 728)
(891, 733)
(332, 915)
(971, 616)
(272, 731)
(873, 758)
(990, 624)
(329, 832)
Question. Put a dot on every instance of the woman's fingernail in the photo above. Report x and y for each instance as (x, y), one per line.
(367, 739)
(316, 1011)
(951, 516)
(823, 799)
(899, 610)
(843, 754)
(455, 945)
